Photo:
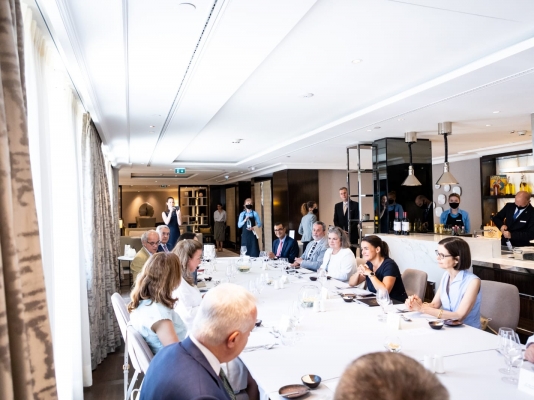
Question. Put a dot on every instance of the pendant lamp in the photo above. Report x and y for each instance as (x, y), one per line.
(445, 128)
(411, 180)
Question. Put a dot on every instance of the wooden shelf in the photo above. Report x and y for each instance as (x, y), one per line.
(504, 196)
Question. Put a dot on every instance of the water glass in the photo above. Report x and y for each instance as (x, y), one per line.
(243, 250)
(252, 286)
(229, 272)
(260, 284)
(295, 313)
(513, 354)
(322, 277)
(504, 333)
(290, 338)
(393, 344)
(382, 298)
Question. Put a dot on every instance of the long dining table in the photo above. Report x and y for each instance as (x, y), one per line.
(329, 340)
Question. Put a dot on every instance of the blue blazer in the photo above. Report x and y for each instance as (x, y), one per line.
(181, 372)
(290, 249)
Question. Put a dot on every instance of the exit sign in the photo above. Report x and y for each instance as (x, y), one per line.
(179, 170)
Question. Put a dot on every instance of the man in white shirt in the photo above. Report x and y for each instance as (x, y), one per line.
(314, 254)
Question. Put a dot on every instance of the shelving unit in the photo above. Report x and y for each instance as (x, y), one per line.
(194, 204)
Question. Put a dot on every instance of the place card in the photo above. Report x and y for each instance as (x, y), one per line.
(526, 378)
(393, 321)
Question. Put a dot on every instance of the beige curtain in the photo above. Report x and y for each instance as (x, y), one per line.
(26, 355)
(101, 231)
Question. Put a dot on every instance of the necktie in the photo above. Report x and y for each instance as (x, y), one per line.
(227, 385)
(344, 208)
(279, 251)
(165, 248)
(311, 251)
(516, 214)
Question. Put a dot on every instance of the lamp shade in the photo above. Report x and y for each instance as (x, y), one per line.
(446, 178)
(411, 180)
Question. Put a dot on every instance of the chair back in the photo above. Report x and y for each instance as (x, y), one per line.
(414, 282)
(500, 302)
(121, 312)
(134, 242)
(146, 222)
(140, 353)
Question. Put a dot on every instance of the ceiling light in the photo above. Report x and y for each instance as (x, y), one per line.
(369, 130)
(411, 180)
(521, 133)
(357, 61)
(496, 112)
(252, 168)
(237, 141)
(308, 95)
(446, 178)
(189, 6)
(152, 126)
(377, 127)
(400, 119)
(488, 125)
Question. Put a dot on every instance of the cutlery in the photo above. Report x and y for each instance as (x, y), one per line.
(405, 318)
(265, 346)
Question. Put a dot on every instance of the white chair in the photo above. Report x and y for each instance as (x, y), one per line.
(414, 282)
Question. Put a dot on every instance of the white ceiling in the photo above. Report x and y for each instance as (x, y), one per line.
(239, 69)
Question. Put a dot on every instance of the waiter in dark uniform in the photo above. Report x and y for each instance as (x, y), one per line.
(341, 218)
(519, 215)
(427, 206)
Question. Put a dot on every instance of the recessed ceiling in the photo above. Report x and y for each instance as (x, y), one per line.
(172, 85)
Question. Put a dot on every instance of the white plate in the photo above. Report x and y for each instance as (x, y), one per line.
(441, 199)
(447, 188)
(438, 211)
(457, 190)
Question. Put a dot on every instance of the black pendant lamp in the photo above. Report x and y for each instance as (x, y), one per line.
(411, 180)
(445, 128)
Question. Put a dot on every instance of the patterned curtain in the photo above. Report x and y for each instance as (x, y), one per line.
(101, 232)
(26, 354)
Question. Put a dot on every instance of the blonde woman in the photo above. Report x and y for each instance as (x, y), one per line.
(339, 260)
(309, 217)
(151, 308)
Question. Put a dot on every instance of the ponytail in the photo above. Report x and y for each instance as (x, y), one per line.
(375, 241)
(303, 209)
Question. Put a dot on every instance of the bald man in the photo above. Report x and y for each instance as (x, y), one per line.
(516, 221)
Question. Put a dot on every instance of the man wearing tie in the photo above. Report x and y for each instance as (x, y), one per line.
(340, 215)
(284, 246)
(314, 254)
(164, 234)
(519, 216)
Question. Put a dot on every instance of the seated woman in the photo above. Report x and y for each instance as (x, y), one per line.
(339, 261)
(189, 297)
(458, 295)
(151, 308)
(380, 271)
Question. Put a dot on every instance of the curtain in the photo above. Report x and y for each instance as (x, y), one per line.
(100, 230)
(26, 353)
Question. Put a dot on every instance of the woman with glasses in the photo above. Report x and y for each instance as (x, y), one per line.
(339, 261)
(248, 219)
(380, 272)
(151, 308)
(458, 295)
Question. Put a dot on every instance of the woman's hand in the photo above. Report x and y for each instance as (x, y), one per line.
(529, 354)
(413, 303)
(363, 270)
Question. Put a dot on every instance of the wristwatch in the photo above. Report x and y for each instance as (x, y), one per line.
(371, 273)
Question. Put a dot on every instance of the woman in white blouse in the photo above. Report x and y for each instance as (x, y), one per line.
(339, 261)
(189, 297)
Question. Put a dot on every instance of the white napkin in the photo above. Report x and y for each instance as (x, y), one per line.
(260, 337)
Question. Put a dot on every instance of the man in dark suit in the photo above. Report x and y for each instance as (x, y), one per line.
(284, 246)
(191, 369)
(427, 221)
(340, 215)
(164, 234)
(516, 221)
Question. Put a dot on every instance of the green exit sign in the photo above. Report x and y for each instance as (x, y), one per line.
(179, 170)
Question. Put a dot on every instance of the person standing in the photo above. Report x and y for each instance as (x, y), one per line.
(219, 216)
(454, 216)
(343, 211)
(248, 219)
(519, 225)
(427, 224)
(173, 219)
(393, 208)
(309, 212)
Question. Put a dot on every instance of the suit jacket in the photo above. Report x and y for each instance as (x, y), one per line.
(340, 219)
(290, 248)
(521, 229)
(160, 249)
(139, 262)
(316, 259)
(181, 372)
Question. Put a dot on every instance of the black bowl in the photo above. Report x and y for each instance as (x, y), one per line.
(295, 390)
(313, 278)
(347, 299)
(312, 381)
(258, 322)
(436, 324)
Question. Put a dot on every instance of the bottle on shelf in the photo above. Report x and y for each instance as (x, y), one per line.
(405, 224)
(496, 188)
(523, 186)
(397, 224)
(491, 223)
(510, 187)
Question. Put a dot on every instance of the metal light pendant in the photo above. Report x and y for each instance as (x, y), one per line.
(411, 180)
(446, 178)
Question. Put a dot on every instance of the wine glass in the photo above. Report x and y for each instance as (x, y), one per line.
(504, 333)
(243, 251)
(382, 298)
(513, 355)
(393, 344)
(295, 313)
(322, 277)
(252, 286)
(229, 272)
(260, 284)
(509, 347)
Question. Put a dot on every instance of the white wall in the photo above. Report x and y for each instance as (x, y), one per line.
(467, 173)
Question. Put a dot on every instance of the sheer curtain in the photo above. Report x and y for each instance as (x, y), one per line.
(55, 120)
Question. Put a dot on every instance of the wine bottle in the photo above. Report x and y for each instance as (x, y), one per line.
(397, 224)
(491, 223)
(405, 225)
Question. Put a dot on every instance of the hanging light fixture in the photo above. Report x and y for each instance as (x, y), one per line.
(445, 128)
(411, 180)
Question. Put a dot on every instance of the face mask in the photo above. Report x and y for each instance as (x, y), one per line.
(248, 206)
(454, 206)
(422, 205)
(315, 211)
(391, 201)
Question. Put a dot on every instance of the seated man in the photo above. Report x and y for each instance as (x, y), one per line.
(191, 369)
(150, 241)
(164, 234)
(284, 246)
(391, 376)
(314, 254)
(529, 353)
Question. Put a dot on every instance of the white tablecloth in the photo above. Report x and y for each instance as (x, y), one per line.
(345, 331)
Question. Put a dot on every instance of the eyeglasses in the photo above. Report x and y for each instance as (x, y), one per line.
(442, 256)
(154, 243)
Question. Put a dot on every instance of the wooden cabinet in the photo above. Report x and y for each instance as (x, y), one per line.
(194, 205)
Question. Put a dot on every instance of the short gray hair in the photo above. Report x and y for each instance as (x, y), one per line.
(144, 236)
(160, 227)
(345, 243)
(322, 224)
(225, 309)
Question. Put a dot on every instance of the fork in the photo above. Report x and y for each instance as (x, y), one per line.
(264, 346)
(405, 318)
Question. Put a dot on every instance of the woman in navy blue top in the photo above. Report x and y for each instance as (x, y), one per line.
(380, 272)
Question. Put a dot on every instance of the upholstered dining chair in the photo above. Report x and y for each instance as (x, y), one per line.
(414, 282)
(500, 302)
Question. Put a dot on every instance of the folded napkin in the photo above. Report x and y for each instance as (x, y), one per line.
(306, 271)
(260, 337)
